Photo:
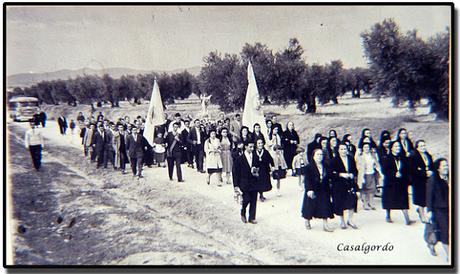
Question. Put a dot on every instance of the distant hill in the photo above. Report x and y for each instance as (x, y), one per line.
(28, 79)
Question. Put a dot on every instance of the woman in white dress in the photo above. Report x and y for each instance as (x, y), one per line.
(212, 148)
(277, 154)
(369, 172)
(226, 154)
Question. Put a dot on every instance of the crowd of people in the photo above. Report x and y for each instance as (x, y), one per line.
(334, 173)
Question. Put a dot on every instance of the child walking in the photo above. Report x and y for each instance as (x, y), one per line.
(299, 163)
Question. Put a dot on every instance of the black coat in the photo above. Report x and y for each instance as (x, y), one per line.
(310, 148)
(409, 149)
(418, 177)
(242, 176)
(264, 164)
(289, 149)
(343, 190)
(438, 203)
(175, 151)
(193, 136)
(256, 137)
(98, 141)
(136, 148)
(62, 122)
(320, 206)
(395, 194)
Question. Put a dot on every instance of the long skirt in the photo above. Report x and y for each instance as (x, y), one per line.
(419, 191)
(320, 207)
(227, 161)
(370, 183)
(441, 221)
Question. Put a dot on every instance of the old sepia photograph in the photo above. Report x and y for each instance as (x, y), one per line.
(228, 135)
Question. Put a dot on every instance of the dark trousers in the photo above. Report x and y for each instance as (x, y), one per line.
(249, 198)
(43, 122)
(136, 165)
(189, 154)
(123, 160)
(198, 154)
(92, 154)
(175, 159)
(36, 154)
(109, 155)
(100, 157)
(63, 130)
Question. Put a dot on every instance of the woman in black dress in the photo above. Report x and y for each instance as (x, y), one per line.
(366, 133)
(317, 197)
(269, 124)
(289, 143)
(264, 162)
(351, 148)
(344, 187)
(316, 143)
(395, 169)
(407, 146)
(324, 146)
(257, 134)
(383, 150)
(245, 135)
(334, 147)
(421, 169)
(438, 202)
(332, 133)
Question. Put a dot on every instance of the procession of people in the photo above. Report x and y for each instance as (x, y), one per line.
(336, 176)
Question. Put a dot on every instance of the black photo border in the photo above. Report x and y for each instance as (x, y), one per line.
(246, 268)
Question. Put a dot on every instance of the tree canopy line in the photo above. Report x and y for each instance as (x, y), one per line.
(402, 66)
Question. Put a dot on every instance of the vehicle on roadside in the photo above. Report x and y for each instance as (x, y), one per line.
(22, 108)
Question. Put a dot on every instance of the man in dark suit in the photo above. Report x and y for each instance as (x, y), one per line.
(245, 182)
(196, 139)
(109, 152)
(62, 122)
(174, 151)
(276, 124)
(187, 155)
(98, 144)
(136, 145)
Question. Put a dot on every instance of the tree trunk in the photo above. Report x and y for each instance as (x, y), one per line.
(311, 104)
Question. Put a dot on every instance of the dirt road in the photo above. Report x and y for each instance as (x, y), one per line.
(70, 213)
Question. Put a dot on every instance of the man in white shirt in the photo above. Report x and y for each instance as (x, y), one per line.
(34, 142)
(245, 182)
(178, 120)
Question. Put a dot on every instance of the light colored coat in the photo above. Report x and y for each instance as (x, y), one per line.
(212, 150)
(361, 165)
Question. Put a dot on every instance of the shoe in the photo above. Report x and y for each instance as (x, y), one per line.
(432, 250)
(307, 225)
(171, 179)
(140, 176)
(409, 222)
(208, 182)
(420, 216)
(366, 208)
(220, 184)
(243, 219)
(262, 199)
(389, 220)
(181, 181)
(352, 225)
(343, 226)
(327, 229)
(253, 222)
(373, 208)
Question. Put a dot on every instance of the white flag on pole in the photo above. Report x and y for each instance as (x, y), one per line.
(155, 115)
(253, 112)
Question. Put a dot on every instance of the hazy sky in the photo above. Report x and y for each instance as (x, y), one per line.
(41, 39)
